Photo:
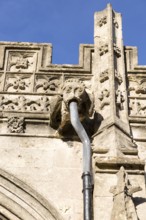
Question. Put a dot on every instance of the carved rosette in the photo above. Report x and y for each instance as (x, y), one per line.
(16, 125)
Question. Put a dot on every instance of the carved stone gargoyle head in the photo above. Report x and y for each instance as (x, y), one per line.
(72, 90)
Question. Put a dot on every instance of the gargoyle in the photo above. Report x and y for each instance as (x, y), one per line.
(72, 90)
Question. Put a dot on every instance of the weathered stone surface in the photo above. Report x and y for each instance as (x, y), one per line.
(41, 156)
(123, 205)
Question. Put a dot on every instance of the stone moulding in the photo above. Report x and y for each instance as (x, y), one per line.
(112, 165)
(19, 200)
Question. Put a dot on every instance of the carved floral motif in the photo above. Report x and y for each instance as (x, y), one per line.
(137, 108)
(103, 49)
(18, 84)
(102, 21)
(140, 85)
(21, 61)
(47, 84)
(104, 76)
(123, 206)
(104, 98)
(22, 104)
(16, 124)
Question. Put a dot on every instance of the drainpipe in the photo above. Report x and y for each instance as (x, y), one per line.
(86, 176)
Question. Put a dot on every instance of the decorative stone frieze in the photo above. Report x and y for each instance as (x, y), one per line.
(23, 104)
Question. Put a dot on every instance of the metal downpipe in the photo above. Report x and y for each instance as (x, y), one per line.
(86, 176)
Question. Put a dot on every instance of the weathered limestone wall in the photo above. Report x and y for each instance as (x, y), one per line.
(41, 155)
(50, 166)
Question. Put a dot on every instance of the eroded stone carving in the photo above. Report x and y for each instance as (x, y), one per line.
(102, 21)
(120, 99)
(16, 125)
(22, 104)
(21, 61)
(140, 87)
(123, 206)
(137, 108)
(104, 98)
(72, 90)
(103, 49)
(117, 50)
(115, 23)
(104, 76)
(18, 84)
(48, 84)
(118, 77)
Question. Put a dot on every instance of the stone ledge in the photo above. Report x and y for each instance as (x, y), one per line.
(112, 165)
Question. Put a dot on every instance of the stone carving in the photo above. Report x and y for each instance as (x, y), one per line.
(104, 98)
(22, 104)
(123, 206)
(18, 84)
(120, 99)
(115, 23)
(102, 21)
(103, 49)
(21, 61)
(16, 124)
(137, 108)
(118, 77)
(73, 89)
(104, 76)
(140, 87)
(117, 50)
(48, 84)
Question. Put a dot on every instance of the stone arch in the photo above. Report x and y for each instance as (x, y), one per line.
(19, 201)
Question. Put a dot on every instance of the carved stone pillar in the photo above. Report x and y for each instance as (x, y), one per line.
(110, 86)
(113, 145)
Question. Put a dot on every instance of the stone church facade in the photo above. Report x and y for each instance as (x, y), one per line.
(42, 156)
